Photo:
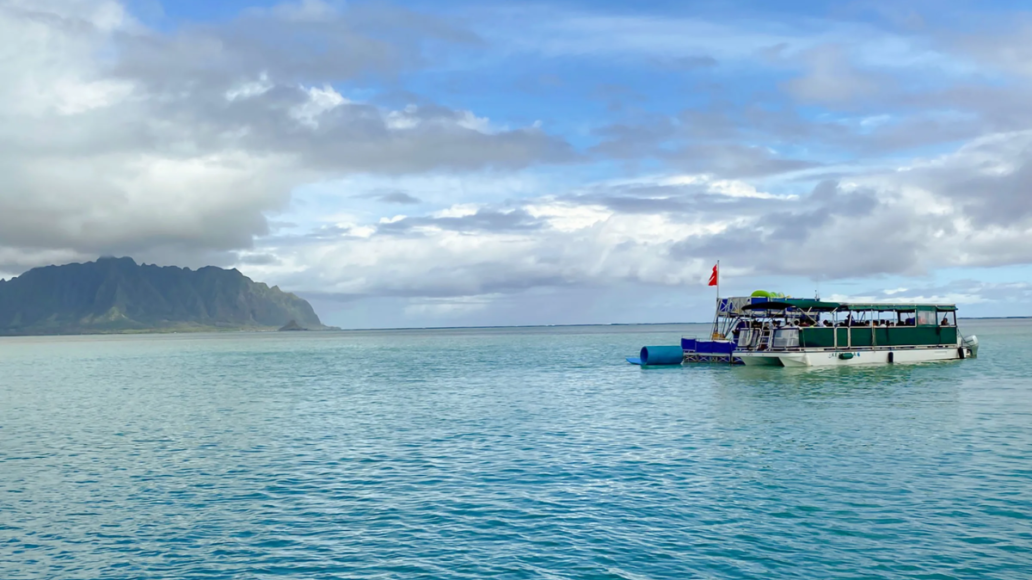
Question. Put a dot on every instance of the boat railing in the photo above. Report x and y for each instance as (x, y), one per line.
(765, 339)
(785, 338)
(753, 338)
(762, 339)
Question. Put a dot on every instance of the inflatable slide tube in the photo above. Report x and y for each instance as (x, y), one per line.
(659, 355)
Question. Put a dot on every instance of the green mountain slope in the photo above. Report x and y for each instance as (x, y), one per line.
(118, 295)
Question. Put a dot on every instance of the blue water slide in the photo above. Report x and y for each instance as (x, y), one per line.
(659, 355)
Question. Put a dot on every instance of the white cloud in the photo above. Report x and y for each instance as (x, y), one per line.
(403, 119)
(960, 298)
(886, 223)
(185, 144)
(457, 211)
(248, 89)
(320, 100)
(568, 217)
(449, 308)
(728, 187)
(119, 139)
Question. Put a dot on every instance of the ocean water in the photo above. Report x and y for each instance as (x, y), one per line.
(505, 453)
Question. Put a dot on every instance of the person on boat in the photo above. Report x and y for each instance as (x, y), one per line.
(945, 320)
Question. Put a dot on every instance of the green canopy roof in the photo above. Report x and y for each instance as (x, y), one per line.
(805, 304)
(898, 307)
(799, 303)
(820, 305)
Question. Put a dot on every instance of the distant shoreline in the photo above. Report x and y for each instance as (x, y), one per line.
(163, 330)
(274, 330)
(602, 324)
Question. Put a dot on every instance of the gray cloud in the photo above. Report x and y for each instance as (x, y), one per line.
(989, 180)
(481, 221)
(397, 197)
(634, 140)
(823, 239)
(257, 259)
(180, 144)
(1002, 46)
(1016, 296)
(732, 160)
(831, 77)
(709, 141)
(675, 201)
(658, 234)
(1000, 200)
(304, 42)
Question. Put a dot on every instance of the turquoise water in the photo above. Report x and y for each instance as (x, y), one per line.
(505, 453)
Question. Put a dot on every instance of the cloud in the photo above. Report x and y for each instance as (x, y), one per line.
(580, 240)
(664, 231)
(832, 78)
(395, 197)
(690, 41)
(293, 43)
(964, 292)
(323, 146)
(1004, 47)
(480, 221)
(990, 178)
(733, 160)
(116, 138)
(696, 143)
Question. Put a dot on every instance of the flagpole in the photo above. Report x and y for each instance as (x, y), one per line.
(716, 311)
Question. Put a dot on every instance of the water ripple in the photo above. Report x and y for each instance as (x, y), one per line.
(507, 454)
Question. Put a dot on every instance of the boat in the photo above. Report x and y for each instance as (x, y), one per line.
(720, 346)
(813, 333)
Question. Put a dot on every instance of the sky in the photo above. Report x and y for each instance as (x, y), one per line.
(417, 163)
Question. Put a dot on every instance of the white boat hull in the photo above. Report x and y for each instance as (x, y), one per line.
(830, 358)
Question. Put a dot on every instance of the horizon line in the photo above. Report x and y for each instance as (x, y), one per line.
(575, 325)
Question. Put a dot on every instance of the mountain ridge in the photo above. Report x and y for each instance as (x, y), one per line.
(112, 295)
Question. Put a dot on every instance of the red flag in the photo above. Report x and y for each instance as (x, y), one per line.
(713, 276)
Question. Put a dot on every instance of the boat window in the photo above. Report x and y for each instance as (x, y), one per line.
(786, 338)
(745, 337)
(926, 317)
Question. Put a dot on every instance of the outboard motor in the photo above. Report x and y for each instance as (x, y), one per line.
(970, 344)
